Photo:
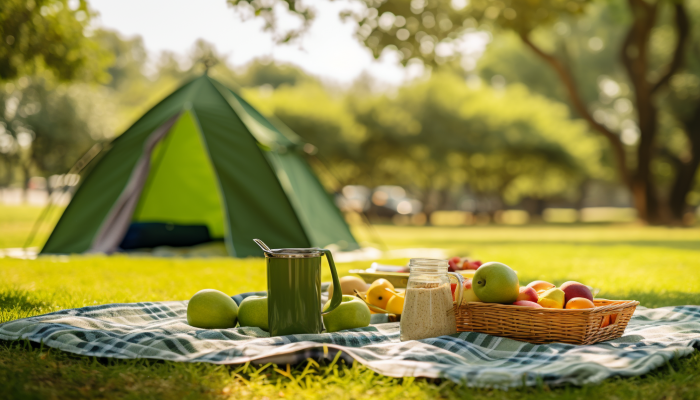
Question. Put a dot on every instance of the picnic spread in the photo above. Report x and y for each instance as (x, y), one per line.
(159, 330)
(483, 331)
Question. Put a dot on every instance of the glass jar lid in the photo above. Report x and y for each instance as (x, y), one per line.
(427, 265)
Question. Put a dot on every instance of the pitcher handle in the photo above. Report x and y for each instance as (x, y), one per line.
(337, 292)
(460, 283)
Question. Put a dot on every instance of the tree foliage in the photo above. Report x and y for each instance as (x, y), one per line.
(434, 30)
(48, 35)
(46, 127)
(439, 137)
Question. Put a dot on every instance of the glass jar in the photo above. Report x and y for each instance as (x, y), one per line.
(428, 310)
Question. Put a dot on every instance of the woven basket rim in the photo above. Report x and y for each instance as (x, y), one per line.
(613, 305)
(548, 325)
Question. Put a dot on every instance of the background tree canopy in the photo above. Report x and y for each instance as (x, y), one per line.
(553, 103)
(440, 138)
(48, 35)
(622, 46)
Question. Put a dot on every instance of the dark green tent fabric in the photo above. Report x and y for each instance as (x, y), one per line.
(266, 188)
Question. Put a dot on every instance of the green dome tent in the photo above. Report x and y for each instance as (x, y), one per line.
(201, 165)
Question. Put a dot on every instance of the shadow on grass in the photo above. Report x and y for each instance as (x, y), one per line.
(17, 303)
(28, 370)
(31, 366)
(26, 367)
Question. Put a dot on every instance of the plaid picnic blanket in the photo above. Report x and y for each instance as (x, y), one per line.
(158, 330)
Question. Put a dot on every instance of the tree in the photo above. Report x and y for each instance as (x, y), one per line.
(320, 118)
(502, 145)
(128, 59)
(432, 31)
(48, 35)
(439, 137)
(265, 72)
(43, 42)
(49, 126)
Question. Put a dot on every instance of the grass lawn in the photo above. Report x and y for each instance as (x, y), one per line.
(657, 266)
(16, 223)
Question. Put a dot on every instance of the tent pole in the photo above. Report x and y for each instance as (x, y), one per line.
(75, 169)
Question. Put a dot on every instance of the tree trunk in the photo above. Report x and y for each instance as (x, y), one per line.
(686, 170)
(635, 58)
(583, 191)
(27, 177)
(643, 190)
(581, 108)
(685, 178)
(7, 179)
(433, 200)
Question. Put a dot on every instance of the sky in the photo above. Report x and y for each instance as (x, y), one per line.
(328, 50)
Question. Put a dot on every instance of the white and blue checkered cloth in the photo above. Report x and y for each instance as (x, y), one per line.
(159, 330)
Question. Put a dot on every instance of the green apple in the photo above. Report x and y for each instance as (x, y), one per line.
(495, 282)
(253, 312)
(212, 309)
(351, 313)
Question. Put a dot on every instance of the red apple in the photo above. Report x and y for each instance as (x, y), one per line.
(470, 265)
(478, 263)
(540, 285)
(454, 264)
(575, 289)
(526, 303)
(528, 294)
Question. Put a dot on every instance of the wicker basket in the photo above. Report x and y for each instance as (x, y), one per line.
(545, 325)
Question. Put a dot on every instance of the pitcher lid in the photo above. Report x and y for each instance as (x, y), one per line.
(295, 253)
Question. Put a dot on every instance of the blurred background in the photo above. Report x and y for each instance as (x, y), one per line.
(421, 112)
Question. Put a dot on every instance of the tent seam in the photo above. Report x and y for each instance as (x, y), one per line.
(296, 213)
(222, 198)
(149, 182)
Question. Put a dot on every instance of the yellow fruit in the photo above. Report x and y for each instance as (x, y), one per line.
(348, 285)
(395, 303)
(552, 298)
(549, 303)
(383, 283)
(377, 295)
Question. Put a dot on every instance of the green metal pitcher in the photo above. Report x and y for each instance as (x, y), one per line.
(294, 290)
